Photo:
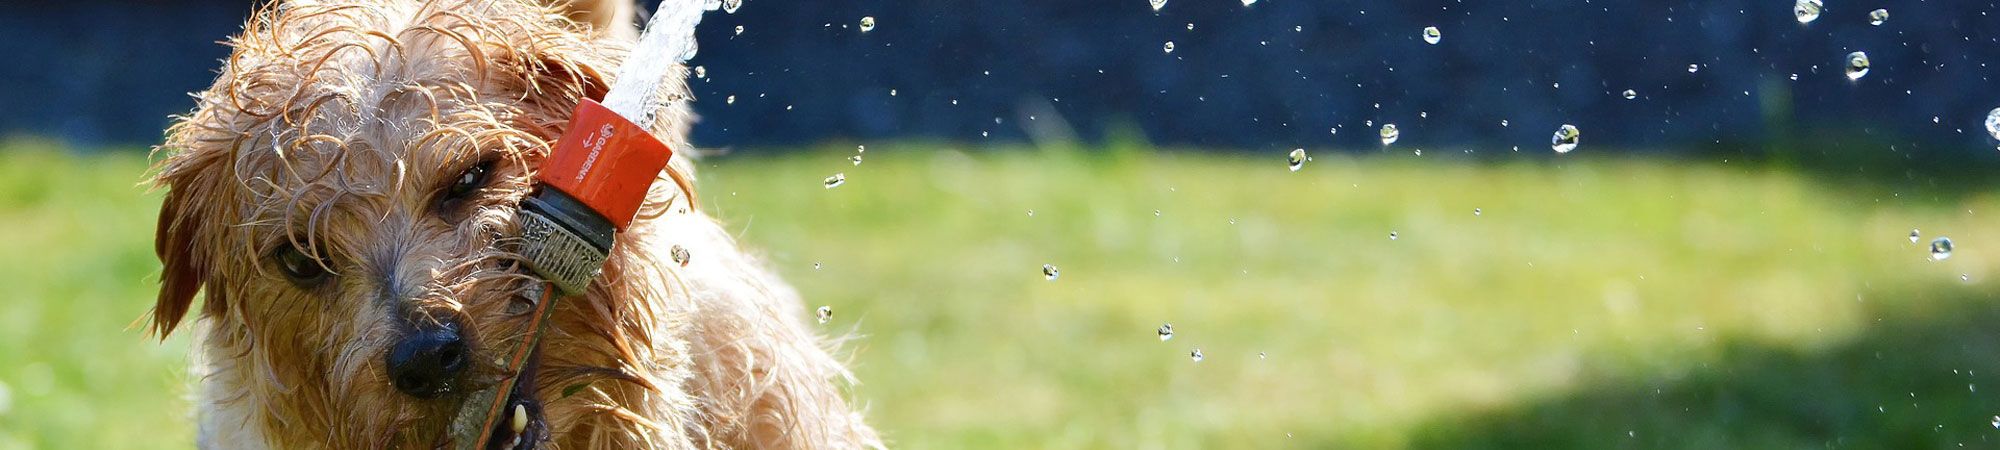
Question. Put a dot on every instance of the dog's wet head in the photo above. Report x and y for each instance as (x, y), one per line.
(345, 197)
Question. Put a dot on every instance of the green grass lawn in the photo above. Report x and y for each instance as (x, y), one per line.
(1592, 303)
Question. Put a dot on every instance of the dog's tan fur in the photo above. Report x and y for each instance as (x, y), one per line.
(333, 127)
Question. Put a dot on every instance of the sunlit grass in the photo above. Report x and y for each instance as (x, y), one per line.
(77, 264)
(1573, 267)
(1577, 270)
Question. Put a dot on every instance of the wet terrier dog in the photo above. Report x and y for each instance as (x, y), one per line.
(345, 195)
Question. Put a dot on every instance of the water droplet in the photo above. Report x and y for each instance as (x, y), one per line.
(1996, 421)
(1260, 355)
(680, 255)
(1297, 159)
(1964, 277)
(1692, 68)
(825, 314)
(730, 6)
(856, 159)
(1049, 271)
(1878, 16)
(1432, 35)
(1476, 211)
(1806, 10)
(1993, 123)
(867, 24)
(1940, 248)
(892, 92)
(1914, 236)
(836, 180)
(1565, 138)
(815, 266)
(1392, 235)
(1503, 122)
(1631, 94)
(729, 101)
(1169, 47)
(1857, 65)
(739, 30)
(700, 72)
(1249, 2)
(1390, 134)
(1795, 77)
(861, 149)
(1195, 355)
(1157, 4)
(1166, 332)
(1156, 213)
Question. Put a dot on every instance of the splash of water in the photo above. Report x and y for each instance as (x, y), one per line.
(667, 41)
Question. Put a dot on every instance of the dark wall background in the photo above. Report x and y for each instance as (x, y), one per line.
(1277, 74)
(107, 73)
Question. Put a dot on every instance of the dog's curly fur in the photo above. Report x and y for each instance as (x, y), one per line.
(335, 128)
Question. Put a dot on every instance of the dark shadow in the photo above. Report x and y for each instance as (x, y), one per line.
(1926, 374)
(1925, 170)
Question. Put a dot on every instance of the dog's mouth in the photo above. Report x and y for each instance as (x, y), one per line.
(517, 421)
(521, 425)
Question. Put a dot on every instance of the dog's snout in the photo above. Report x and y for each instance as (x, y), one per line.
(428, 361)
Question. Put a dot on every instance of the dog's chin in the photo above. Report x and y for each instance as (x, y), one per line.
(454, 418)
(434, 421)
(431, 423)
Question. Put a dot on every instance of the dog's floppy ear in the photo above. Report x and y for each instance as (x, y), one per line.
(589, 81)
(179, 240)
(555, 78)
(551, 81)
(612, 17)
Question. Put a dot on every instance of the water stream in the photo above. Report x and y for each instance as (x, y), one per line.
(667, 40)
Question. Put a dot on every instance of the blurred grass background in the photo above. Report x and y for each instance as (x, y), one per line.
(1592, 303)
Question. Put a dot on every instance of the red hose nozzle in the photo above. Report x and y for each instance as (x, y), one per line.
(591, 186)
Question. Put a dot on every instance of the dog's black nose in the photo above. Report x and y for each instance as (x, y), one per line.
(428, 361)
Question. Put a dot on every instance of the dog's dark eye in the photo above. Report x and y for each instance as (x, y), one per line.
(298, 266)
(469, 181)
